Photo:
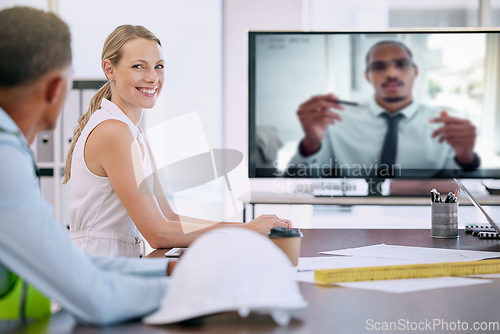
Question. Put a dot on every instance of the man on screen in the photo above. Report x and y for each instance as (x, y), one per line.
(391, 136)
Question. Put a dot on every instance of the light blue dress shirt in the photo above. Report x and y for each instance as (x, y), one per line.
(355, 144)
(39, 250)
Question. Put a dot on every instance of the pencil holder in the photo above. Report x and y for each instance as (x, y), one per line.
(444, 220)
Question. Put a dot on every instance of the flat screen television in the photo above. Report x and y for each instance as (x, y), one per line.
(457, 71)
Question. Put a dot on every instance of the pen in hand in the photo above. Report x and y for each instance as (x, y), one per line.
(347, 103)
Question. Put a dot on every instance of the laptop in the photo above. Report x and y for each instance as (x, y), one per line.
(494, 225)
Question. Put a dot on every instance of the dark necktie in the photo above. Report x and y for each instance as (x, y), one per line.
(388, 156)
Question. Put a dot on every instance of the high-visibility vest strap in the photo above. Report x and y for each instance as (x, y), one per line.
(24, 301)
(37, 306)
(10, 303)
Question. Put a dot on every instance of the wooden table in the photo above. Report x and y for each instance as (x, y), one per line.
(352, 311)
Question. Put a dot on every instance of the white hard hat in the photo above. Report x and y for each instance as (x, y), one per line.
(230, 269)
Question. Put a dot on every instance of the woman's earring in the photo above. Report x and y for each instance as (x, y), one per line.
(112, 81)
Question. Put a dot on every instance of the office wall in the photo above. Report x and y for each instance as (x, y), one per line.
(40, 4)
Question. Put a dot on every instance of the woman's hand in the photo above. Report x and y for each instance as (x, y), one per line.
(264, 223)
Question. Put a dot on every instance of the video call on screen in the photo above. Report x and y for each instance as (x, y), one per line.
(458, 71)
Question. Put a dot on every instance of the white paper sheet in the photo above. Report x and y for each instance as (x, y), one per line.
(335, 262)
(385, 255)
(415, 284)
(418, 254)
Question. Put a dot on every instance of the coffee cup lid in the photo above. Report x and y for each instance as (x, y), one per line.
(282, 232)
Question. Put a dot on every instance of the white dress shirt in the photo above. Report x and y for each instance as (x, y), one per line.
(355, 144)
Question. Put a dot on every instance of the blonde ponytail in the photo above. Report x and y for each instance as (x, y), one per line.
(95, 104)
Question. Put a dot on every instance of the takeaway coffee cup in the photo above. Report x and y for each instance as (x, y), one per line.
(444, 220)
(288, 239)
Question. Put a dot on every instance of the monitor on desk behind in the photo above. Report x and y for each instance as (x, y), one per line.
(457, 72)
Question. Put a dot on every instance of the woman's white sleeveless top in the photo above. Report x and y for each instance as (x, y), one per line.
(99, 223)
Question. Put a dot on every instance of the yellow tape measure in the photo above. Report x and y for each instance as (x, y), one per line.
(407, 271)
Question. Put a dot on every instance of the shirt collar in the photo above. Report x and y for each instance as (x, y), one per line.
(9, 126)
(407, 111)
(109, 106)
(115, 111)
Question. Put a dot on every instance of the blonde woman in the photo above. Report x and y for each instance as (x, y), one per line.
(108, 213)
